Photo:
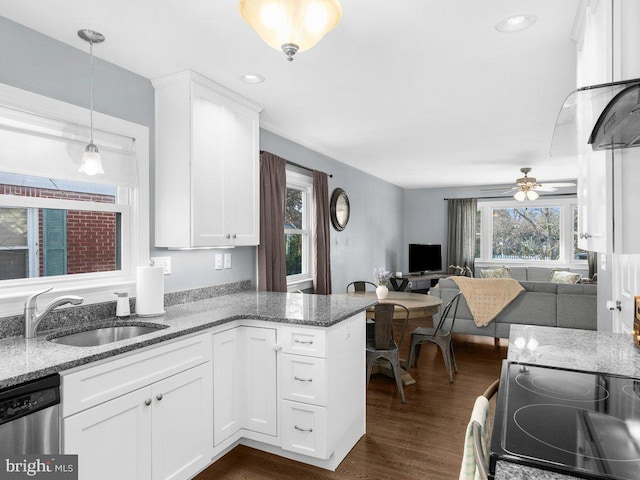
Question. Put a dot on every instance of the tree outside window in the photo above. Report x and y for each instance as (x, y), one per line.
(530, 233)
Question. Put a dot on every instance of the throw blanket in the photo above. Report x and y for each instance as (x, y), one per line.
(479, 414)
(487, 297)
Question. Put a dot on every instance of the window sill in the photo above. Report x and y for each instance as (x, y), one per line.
(299, 284)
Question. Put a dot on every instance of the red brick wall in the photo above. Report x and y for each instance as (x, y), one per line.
(91, 236)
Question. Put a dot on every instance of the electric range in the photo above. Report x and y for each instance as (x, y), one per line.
(583, 424)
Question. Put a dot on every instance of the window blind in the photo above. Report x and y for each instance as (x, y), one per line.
(32, 144)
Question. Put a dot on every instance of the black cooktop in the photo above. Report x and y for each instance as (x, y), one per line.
(578, 423)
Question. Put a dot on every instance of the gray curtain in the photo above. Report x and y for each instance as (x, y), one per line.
(272, 269)
(461, 232)
(321, 240)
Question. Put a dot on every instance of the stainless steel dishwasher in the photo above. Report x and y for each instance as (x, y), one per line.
(29, 417)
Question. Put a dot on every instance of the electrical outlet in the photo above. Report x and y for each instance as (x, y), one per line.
(227, 260)
(218, 261)
(164, 262)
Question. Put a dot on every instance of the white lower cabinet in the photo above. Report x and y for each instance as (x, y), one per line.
(244, 382)
(159, 431)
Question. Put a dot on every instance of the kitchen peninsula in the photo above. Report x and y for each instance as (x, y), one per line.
(599, 354)
(249, 368)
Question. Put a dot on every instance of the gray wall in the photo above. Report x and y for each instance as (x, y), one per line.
(35, 62)
(32, 61)
(425, 215)
(373, 236)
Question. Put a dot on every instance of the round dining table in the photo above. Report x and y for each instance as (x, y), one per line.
(418, 304)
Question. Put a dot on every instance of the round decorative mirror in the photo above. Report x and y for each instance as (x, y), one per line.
(339, 209)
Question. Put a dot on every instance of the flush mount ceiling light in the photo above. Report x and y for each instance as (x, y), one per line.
(252, 78)
(291, 25)
(516, 23)
(91, 162)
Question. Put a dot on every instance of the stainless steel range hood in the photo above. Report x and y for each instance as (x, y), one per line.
(598, 117)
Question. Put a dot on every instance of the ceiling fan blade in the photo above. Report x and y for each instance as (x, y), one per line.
(558, 185)
(545, 188)
(498, 188)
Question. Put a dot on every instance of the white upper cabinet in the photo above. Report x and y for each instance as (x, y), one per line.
(207, 164)
(608, 49)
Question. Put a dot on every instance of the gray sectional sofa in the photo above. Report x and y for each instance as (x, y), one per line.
(542, 303)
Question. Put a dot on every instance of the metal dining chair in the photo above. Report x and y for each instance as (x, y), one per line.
(360, 286)
(401, 287)
(439, 335)
(383, 346)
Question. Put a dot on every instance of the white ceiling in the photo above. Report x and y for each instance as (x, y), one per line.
(421, 93)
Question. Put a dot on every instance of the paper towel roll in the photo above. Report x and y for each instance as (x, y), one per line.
(150, 291)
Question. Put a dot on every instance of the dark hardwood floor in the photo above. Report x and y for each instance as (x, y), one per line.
(421, 439)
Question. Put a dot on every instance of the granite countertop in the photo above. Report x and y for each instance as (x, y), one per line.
(28, 359)
(584, 350)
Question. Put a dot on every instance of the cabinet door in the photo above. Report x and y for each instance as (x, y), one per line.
(242, 175)
(112, 440)
(182, 416)
(210, 116)
(260, 380)
(626, 199)
(227, 382)
(595, 221)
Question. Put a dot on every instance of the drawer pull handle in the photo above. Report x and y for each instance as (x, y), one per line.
(306, 342)
(303, 429)
(147, 402)
(159, 397)
(303, 379)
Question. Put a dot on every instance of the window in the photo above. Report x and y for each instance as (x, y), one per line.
(543, 231)
(297, 230)
(61, 228)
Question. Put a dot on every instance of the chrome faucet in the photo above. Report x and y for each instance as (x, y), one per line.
(33, 317)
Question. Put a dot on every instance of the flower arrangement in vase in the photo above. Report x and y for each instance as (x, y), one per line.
(381, 276)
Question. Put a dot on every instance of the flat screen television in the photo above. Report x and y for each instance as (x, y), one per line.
(425, 258)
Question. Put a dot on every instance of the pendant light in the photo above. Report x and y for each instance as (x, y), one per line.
(291, 25)
(91, 162)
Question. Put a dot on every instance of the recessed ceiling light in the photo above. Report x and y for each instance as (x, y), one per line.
(516, 23)
(252, 78)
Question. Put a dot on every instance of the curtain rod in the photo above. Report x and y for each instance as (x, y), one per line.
(300, 166)
(506, 197)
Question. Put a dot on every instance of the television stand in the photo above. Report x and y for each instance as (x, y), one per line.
(427, 279)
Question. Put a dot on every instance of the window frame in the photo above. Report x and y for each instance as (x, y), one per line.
(565, 259)
(303, 182)
(99, 286)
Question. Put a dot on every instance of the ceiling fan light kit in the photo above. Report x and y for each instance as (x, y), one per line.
(526, 187)
(291, 25)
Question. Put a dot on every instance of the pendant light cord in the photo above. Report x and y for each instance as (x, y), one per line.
(91, 92)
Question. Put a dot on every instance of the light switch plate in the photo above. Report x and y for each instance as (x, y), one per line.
(218, 262)
(227, 260)
(164, 262)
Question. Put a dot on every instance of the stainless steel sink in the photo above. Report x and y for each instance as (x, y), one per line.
(104, 335)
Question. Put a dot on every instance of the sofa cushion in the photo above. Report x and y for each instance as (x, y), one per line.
(532, 308)
(564, 277)
(577, 305)
(518, 273)
(541, 274)
(500, 272)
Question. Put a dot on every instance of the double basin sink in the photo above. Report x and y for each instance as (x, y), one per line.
(106, 334)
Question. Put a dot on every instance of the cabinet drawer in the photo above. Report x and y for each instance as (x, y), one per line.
(304, 341)
(304, 429)
(304, 379)
(93, 385)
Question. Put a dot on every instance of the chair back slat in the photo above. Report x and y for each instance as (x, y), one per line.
(384, 313)
(399, 287)
(360, 286)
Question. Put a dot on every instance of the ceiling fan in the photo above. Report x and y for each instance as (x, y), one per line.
(526, 188)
